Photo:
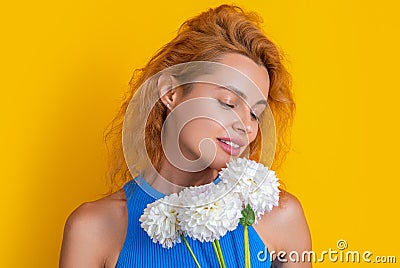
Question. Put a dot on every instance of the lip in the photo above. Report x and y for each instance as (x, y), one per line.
(234, 140)
(229, 149)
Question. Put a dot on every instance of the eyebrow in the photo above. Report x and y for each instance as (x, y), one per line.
(240, 93)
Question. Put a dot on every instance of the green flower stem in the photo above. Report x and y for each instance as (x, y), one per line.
(220, 253)
(191, 251)
(246, 247)
(247, 219)
(217, 253)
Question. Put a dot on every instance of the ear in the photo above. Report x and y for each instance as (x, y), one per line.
(166, 90)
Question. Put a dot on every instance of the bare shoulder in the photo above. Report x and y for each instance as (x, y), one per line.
(289, 211)
(94, 233)
(285, 227)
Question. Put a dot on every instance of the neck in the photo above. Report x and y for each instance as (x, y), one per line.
(172, 180)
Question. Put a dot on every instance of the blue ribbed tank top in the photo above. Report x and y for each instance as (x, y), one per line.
(139, 250)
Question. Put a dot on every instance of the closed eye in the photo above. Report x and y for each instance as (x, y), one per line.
(254, 116)
(226, 104)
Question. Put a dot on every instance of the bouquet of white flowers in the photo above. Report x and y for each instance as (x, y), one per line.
(206, 213)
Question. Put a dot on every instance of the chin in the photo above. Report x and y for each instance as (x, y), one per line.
(220, 161)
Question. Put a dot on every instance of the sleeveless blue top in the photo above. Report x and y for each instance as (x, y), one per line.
(140, 251)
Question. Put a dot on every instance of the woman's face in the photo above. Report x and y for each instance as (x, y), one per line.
(224, 123)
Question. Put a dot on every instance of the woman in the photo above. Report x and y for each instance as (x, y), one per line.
(184, 137)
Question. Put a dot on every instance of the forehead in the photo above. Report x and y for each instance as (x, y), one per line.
(257, 74)
(231, 71)
(238, 74)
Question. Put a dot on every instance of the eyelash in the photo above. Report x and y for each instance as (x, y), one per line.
(253, 115)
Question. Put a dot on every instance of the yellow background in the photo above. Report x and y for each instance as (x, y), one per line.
(66, 64)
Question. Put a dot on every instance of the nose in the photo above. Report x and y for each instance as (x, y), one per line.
(243, 124)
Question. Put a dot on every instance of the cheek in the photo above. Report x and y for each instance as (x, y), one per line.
(198, 129)
(253, 135)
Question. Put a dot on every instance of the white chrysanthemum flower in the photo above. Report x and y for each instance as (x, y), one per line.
(208, 212)
(256, 184)
(160, 222)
